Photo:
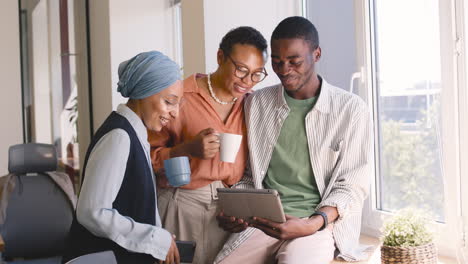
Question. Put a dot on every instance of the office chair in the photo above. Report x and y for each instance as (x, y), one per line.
(39, 213)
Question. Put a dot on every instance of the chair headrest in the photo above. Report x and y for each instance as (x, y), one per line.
(32, 158)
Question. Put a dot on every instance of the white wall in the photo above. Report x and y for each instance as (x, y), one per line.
(219, 16)
(10, 74)
(193, 40)
(337, 39)
(41, 79)
(119, 30)
(142, 26)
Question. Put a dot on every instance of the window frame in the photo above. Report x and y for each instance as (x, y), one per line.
(461, 25)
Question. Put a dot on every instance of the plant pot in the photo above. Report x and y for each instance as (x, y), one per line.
(425, 254)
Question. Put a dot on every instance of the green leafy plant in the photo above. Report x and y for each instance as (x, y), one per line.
(73, 117)
(410, 158)
(408, 228)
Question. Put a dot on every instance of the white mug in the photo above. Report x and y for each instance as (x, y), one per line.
(230, 144)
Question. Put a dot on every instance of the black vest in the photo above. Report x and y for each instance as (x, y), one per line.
(136, 199)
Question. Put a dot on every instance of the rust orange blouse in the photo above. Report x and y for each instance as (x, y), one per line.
(196, 114)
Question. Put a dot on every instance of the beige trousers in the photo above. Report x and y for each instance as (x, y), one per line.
(191, 216)
(318, 248)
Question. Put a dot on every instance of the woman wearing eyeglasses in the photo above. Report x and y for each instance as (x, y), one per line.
(213, 104)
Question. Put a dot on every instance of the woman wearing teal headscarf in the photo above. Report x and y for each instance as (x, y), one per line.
(117, 207)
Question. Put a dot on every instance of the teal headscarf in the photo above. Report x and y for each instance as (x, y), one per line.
(146, 74)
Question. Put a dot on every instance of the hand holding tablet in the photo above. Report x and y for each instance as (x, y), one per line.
(247, 203)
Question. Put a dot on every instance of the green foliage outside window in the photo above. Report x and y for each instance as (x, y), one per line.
(411, 164)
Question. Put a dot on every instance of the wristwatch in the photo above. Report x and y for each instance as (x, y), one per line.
(325, 219)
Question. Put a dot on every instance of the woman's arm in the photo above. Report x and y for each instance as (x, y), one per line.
(205, 145)
(105, 171)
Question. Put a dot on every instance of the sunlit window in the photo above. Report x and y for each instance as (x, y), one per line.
(407, 88)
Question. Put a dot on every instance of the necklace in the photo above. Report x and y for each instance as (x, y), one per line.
(213, 95)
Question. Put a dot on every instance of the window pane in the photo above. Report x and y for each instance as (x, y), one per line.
(49, 79)
(407, 88)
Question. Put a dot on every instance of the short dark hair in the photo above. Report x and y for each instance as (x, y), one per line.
(297, 27)
(243, 35)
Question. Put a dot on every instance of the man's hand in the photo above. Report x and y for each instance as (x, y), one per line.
(205, 145)
(294, 227)
(172, 256)
(231, 224)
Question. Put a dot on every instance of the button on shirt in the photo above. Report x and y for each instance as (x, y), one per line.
(104, 175)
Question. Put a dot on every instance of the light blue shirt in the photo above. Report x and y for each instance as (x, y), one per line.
(105, 171)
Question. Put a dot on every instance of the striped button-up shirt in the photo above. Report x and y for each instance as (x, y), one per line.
(339, 140)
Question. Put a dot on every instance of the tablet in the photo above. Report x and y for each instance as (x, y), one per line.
(246, 203)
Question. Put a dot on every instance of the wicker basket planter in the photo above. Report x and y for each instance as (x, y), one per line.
(425, 254)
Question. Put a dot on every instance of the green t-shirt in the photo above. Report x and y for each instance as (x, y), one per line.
(290, 171)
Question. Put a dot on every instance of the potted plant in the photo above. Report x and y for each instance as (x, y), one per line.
(407, 239)
(73, 117)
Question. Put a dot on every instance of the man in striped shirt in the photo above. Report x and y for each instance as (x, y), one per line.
(310, 141)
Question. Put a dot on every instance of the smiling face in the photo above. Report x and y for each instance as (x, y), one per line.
(294, 63)
(157, 110)
(243, 60)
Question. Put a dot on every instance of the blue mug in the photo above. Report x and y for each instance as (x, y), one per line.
(177, 171)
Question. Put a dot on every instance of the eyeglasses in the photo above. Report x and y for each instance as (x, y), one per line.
(241, 72)
(172, 103)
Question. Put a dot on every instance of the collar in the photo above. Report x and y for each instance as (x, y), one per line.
(135, 121)
(323, 100)
(190, 84)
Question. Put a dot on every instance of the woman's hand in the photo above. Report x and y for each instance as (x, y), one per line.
(205, 145)
(172, 256)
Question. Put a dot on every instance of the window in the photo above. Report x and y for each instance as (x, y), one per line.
(410, 59)
(50, 92)
(407, 85)
(413, 78)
